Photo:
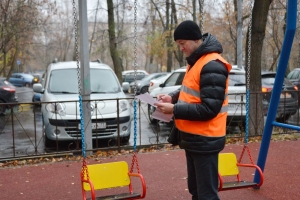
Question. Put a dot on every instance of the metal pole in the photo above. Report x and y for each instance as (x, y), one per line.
(85, 74)
(239, 45)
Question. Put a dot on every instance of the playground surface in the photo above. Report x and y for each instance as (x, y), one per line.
(164, 172)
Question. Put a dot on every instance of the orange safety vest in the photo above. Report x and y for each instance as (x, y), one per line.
(190, 94)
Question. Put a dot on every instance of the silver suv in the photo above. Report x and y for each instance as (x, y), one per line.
(60, 108)
(236, 93)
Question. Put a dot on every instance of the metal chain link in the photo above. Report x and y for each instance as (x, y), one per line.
(134, 160)
(249, 153)
(135, 46)
(79, 86)
(248, 73)
(135, 72)
(201, 16)
(76, 45)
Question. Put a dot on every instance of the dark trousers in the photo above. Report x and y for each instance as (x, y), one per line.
(202, 175)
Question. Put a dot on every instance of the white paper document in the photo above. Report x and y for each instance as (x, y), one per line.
(157, 114)
(147, 99)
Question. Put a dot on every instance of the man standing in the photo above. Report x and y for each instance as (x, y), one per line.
(200, 108)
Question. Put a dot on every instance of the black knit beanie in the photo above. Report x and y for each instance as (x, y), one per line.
(187, 30)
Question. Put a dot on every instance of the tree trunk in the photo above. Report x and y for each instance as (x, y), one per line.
(113, 46)
(178, 54)
(259, 21)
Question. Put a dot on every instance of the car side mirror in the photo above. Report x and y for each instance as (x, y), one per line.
(38, 88)
(162, 85)
(125, 86)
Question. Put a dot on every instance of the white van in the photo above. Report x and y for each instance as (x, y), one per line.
(60, 107)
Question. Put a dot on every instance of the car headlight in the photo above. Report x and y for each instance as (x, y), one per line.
(57, 108)
(123, 105)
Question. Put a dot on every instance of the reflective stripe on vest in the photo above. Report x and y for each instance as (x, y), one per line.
(190, 94)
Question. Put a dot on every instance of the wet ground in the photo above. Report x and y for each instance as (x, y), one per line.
(23, 136)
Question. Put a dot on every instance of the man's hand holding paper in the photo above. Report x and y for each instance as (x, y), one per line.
(164, 108)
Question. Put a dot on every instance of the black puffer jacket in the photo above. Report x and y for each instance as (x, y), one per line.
(212, 86)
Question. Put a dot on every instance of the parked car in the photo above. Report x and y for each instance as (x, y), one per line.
(61, 119)
(294, 77)
(288, 102)
(142, 85)
(154, 83)
(129, 76)
(237, 95)
(7, 94)
(236, 114)
(172, 83)
(21, 79)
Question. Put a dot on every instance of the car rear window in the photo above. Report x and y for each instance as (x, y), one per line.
(237, 79)
(271, 80)
(66, 81)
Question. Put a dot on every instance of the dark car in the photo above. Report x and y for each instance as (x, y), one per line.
(7, 94)
(294, 77)
(288, 103)
(143, 84)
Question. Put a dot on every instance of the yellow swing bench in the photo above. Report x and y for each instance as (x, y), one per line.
(228, 166)
(110, 175)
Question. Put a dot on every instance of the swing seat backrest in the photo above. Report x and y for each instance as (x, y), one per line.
(108, 175)
(227, 164)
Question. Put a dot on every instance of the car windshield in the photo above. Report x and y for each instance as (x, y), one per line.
(102, 81)
(237, 79)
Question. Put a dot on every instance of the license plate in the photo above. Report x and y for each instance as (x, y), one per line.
(285, 95)
(101, 125)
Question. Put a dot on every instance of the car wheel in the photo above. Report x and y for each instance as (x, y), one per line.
(151, 110)
(27, 85)
(125, 140)
(144, 90)
(2, 108)
(49, 143)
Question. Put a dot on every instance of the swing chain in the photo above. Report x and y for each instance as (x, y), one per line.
(76, 45)
(249, 153)
(134, 160)
(135, 81)
(135, 47)
(248, 74)
(201, 16)
(84, 170)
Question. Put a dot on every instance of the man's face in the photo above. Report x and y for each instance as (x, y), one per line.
(188, 46)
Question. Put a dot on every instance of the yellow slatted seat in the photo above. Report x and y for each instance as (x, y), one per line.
(228, 166)
(110, 175)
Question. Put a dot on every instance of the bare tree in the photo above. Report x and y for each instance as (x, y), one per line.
(259, 21)
(113, 42)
